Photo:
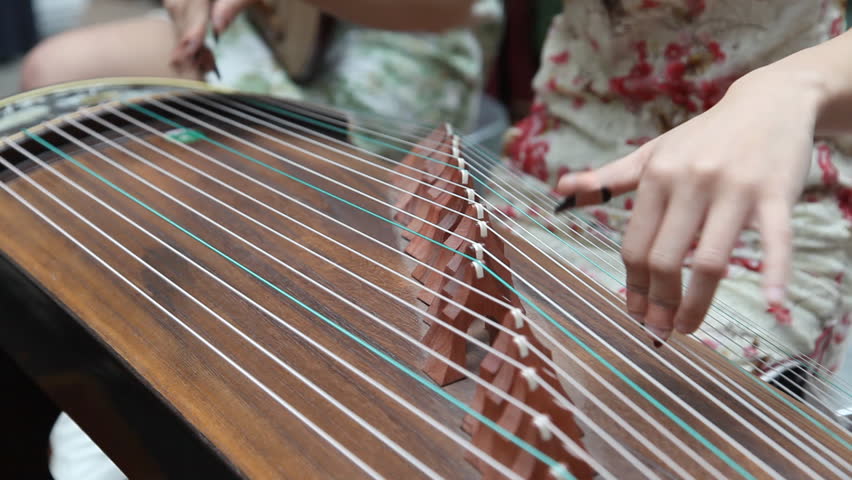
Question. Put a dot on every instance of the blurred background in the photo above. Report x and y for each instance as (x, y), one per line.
(24, 22)
(507, 97)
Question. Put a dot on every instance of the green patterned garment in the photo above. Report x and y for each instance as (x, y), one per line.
(416, 78)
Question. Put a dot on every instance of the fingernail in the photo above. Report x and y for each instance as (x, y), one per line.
(774, 295)
(217, 24)
(658, 344)
(567, 181)
(662, 334)
(640, 319)
(569, 202)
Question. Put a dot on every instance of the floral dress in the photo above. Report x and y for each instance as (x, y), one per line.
(617, 73)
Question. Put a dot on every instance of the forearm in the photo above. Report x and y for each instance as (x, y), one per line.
(822, 75)
(404, 15)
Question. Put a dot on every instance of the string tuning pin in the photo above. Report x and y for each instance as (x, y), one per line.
(478, 251)
(463, 229)
(518, 315)
(531, 377)
(523, 345)
(473, 289)
(480, 273)
(545, 428)
(433, 179)
(515, 319)
(483, 228)
(433, 226)
(471, 195)
(413, 167)
(480, 211)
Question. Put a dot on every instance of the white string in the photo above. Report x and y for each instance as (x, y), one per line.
(719, 305)
(540, 194)
(519, 404)
(792, 426)
(318, 157)
(202, 122)
(296, 413)
(250, 129)
(536, 327)
(209, 102)
(332, 120)
(670, 394)
(811, 363)
(334, 139)
(216, 129)
(722, 332)
(807, 361)
(464, 443)
(406, 278)
(782, 387)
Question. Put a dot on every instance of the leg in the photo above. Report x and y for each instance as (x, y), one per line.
(136, 47)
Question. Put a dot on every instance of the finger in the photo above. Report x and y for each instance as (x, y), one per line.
(596, 186)
(224, 12)
(191, 22)
(206, 62)
(725, 221)
(683, 218)
(776, 234)
(639, 236)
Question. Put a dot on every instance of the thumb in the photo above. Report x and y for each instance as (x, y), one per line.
(224, 12)
(599, 185)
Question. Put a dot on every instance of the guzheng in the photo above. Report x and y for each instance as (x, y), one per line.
(221, 285)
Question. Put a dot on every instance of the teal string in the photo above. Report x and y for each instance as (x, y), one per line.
(657, 404)
(366, 138)
(322, 124)
(762, 384)
(375, 350)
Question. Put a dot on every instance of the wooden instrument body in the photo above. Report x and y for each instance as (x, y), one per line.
(217, 419)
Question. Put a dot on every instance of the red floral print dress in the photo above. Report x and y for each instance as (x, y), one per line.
(618, 73)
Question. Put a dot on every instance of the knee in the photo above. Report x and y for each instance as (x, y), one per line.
(36, 68)
(52, 61)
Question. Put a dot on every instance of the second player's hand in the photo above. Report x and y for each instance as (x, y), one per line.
(742, 162)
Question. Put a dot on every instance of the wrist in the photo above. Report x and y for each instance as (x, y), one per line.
(805, 91)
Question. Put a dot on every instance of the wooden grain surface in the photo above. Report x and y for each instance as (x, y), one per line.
(245, 423)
